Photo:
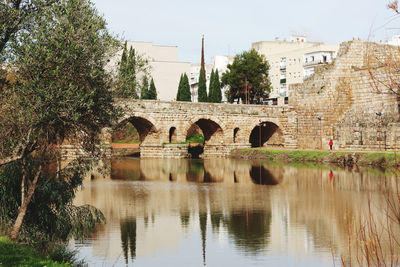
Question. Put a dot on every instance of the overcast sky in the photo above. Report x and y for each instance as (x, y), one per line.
(230, 26)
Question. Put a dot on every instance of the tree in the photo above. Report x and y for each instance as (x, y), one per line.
(178, 95)
(211, 87)
(217, 90)
(17, 15)
(186, 95)
(215, 95)
(247, 77)
(152, 91)
(61, 90)
(202, 89)
(124, 56)
(144, 92)
(184, 89)
(131, 66)
(383, 61)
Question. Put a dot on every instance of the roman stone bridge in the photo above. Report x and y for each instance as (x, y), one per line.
(163, 127)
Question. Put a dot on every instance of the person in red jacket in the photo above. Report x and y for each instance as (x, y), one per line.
(330, 144)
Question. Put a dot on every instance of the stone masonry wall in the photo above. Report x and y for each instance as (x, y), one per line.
(341, 102)
(225, 126)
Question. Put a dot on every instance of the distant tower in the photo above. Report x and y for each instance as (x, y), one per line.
(202, 57)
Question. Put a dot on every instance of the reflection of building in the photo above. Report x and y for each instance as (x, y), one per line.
(166, 69)
(286, 59)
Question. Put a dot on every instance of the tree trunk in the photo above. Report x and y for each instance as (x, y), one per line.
(24, 176)
(24, 206)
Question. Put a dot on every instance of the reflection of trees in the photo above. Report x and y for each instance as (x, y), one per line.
(196, 168)
(185, 218)
(216, 219)
(203, 229)
(128, 238)
(249, 229)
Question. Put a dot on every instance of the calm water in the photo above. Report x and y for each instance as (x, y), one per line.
(221, 212)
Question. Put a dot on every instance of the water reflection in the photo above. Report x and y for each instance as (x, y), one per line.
(250, 230)
(197, 171)
(226, 212)
(260, 175)
(128, 238)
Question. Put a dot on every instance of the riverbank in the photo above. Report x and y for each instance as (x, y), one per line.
(14, 254)
(341, 158)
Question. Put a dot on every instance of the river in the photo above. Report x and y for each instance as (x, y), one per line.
(225, 212)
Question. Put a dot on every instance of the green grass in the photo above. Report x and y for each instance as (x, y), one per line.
(13, 254)
(377, 159)
(197, 138)
(126, 142)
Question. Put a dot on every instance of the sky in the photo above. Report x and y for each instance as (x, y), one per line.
(231, 26)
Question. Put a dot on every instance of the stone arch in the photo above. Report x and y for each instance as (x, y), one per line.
(271, 135)
(144, 126)
(172, 135)
(235, 134)
(212, 131)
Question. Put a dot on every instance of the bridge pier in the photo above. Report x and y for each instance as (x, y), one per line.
(171, 151)
(222, 150)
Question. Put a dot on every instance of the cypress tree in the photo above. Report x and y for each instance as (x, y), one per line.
(185, 91)
(144, 92)
(178, 95)
(211, 88)
(202, 89)
(217, 88)
(124, 56)
(152, 91)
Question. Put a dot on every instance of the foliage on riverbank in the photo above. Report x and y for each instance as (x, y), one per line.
(197, 138)
(376, 159)
(14, 254)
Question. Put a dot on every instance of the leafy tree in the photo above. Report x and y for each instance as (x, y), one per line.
(61, 90)
(202, 89)
(16, 16)
(131, 65)
(144, 92)
(152, 90)
(247, 77)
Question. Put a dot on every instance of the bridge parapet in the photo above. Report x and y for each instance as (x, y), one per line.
(178, 107)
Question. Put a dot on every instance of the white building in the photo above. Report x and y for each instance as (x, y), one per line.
(194, 78)
(395, 40)
(165, 68)
(313, 59)
(287, 60)
(219, 63)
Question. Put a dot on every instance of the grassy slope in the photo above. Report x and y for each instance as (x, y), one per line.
(13, 254)
(359, 158)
